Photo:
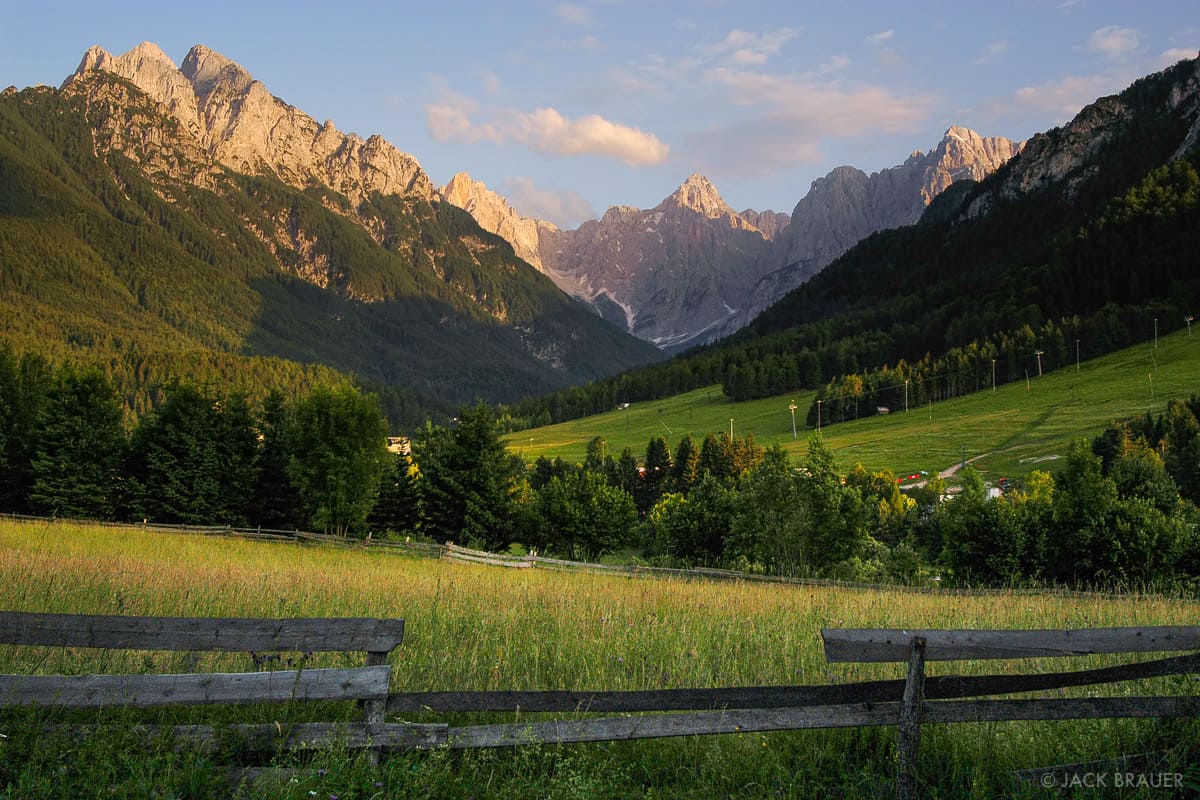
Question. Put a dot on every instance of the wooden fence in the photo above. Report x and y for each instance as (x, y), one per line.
(907, 703)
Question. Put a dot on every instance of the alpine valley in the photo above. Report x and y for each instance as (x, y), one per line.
(693, 269)
(182, 221)
(1082, 243)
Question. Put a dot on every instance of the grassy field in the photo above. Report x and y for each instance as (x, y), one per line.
(472, 627)
(1015, 429)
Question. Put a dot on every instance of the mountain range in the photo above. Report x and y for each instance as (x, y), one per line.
(1082, 243)
(149, 210)
(181, 220)
(692, 269)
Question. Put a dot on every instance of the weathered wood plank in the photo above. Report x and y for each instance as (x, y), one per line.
(909, 735)
(1062, 709)
(200, 633)
(869, 644)
(857, 715)
(936, 688)
(294, 736)
(665, 725)
(148, 691)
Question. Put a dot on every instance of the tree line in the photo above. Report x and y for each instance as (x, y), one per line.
(1122, 510)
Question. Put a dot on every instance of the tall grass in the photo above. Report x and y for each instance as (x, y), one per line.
(472, 627)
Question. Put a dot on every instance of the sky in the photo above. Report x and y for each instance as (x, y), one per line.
(567, 108)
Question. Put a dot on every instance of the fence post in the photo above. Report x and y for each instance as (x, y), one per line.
(910, 722)
(375, 711)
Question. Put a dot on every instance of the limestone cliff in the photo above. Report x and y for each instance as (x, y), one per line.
(494, 214)
(671, 274)
(847, 205)
(246, 128)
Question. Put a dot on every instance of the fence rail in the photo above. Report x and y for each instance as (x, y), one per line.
(907, 703)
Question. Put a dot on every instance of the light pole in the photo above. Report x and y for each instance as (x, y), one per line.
(792, 408)
(1039, 358)
(905, 396)
(993, 374)
(1077, 355)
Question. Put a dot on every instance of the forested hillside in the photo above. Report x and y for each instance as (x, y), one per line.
(122, 243)
(1079, 245)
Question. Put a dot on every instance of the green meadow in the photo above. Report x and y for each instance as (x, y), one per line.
(1011, 430)
(477, 627)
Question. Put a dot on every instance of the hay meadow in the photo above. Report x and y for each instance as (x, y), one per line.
(1009, 431)
(477, 627)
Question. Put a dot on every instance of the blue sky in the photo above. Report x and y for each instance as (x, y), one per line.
(570, 107)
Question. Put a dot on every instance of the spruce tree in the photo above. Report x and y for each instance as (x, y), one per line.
(80, 447)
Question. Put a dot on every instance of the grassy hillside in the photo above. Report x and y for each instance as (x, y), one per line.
(1020, 429)
(471, 627)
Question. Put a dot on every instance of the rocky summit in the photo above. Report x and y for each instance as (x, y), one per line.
(692, 268)
(493, 213)
(847, 205)
(244, 127)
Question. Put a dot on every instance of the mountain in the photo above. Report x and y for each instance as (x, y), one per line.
(159, 214)
(671, 273)
(1083, 242)
(692, 269)
(848, 205)
(494, 214)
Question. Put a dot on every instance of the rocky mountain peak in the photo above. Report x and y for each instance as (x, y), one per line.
(244, 127)
(698, 194)
(963, 153)
(206, 68)
(96, 57)
(494, 214)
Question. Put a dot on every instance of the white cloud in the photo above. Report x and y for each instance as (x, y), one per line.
(797, 115)
(451, 119)
(566, 208)
(824, 106)
(1114, 42)
(1065, 97)
(993, 51)
(546, 130)
(573, 14)
(880, 38)
(1168, 57)
(744, 47)
(835, 64)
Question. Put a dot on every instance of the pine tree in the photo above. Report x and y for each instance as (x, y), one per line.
(80, 447)
(685, 470)
(276, 502)
(471, 483)
(656, 475)
(24, 383)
